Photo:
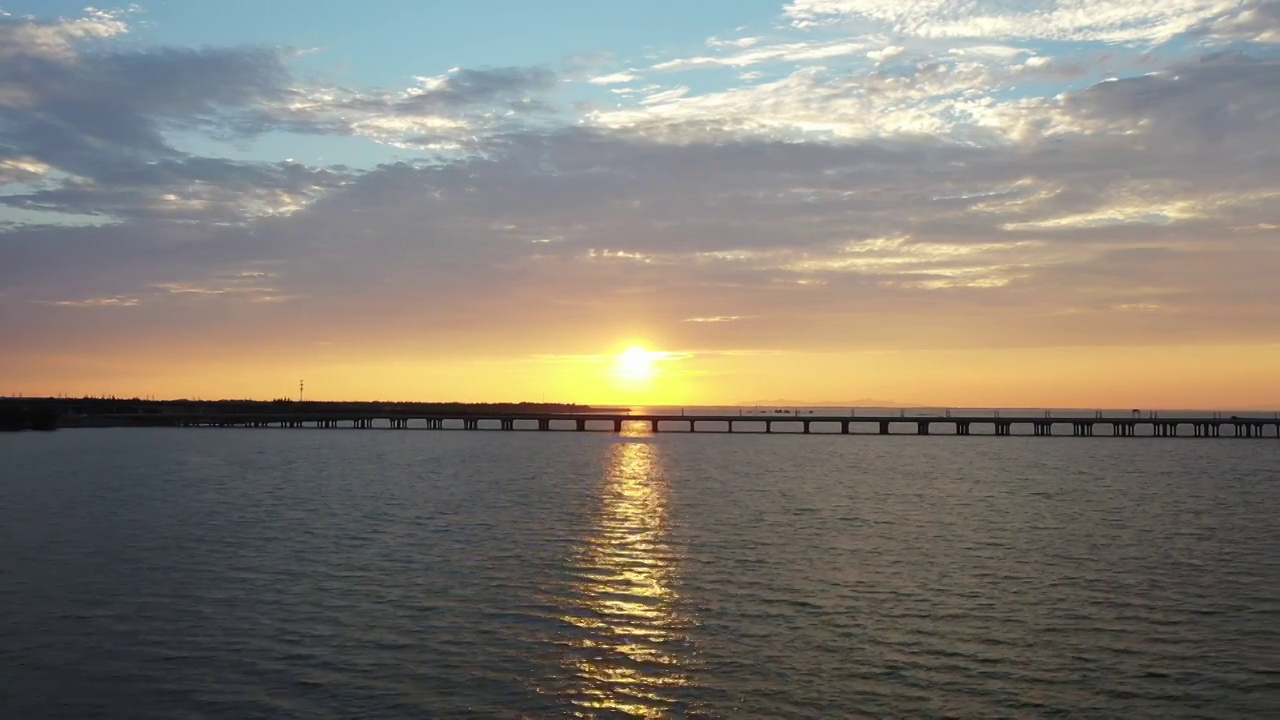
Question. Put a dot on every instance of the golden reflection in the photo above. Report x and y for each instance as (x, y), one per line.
(630, 650)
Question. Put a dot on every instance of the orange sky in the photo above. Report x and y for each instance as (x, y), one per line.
(1226, 376)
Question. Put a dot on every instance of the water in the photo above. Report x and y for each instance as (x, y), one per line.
(206, 573)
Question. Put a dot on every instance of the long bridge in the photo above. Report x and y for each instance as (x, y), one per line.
(1210, 426)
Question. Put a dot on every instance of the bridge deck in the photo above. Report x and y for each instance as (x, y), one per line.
(1202, 426)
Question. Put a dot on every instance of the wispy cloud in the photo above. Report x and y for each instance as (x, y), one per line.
(114, 301)
(715, 319)
(614, 78)
(757, 54)
(1073, 20)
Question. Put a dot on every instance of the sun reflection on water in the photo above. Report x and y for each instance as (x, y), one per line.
(630, 651)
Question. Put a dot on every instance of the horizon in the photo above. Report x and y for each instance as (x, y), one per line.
(784, 404)
(984, 205)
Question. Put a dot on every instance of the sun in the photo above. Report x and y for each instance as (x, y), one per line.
(636, 363)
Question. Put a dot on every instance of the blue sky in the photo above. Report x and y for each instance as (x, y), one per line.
(725, 179)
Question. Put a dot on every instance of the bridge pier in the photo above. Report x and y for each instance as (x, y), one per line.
(844, 427)
(922, 428)
(468, 424)
(768, 426)
(806, 427)
(617, 426)
(962, 428)
(884, 428)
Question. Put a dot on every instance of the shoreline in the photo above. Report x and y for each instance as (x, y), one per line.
(48, 414)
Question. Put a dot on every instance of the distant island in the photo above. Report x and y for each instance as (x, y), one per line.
(49, 413)
(860, 402)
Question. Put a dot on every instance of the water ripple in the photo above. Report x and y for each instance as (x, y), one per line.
(249, 574)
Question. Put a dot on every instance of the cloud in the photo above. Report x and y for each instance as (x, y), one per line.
(614, 78)
(82, 114)
(465, 87)
(744, 42)
(788, 233)
(886, 53)
(441, 112)
(757, 54)
(1249, 21)
(89, 128)
(33, 38)
(21, 169)
(811, 103)
(101, 302)
(964, 195)
(1065, 20)
(186, 189)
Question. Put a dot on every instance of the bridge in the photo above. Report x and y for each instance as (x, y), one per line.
(1213, 426)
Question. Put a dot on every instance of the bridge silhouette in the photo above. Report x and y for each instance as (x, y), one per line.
(1212, 426)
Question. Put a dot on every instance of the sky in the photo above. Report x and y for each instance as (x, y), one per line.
(962, 203)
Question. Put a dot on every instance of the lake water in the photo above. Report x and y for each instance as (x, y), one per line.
(222, 573)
